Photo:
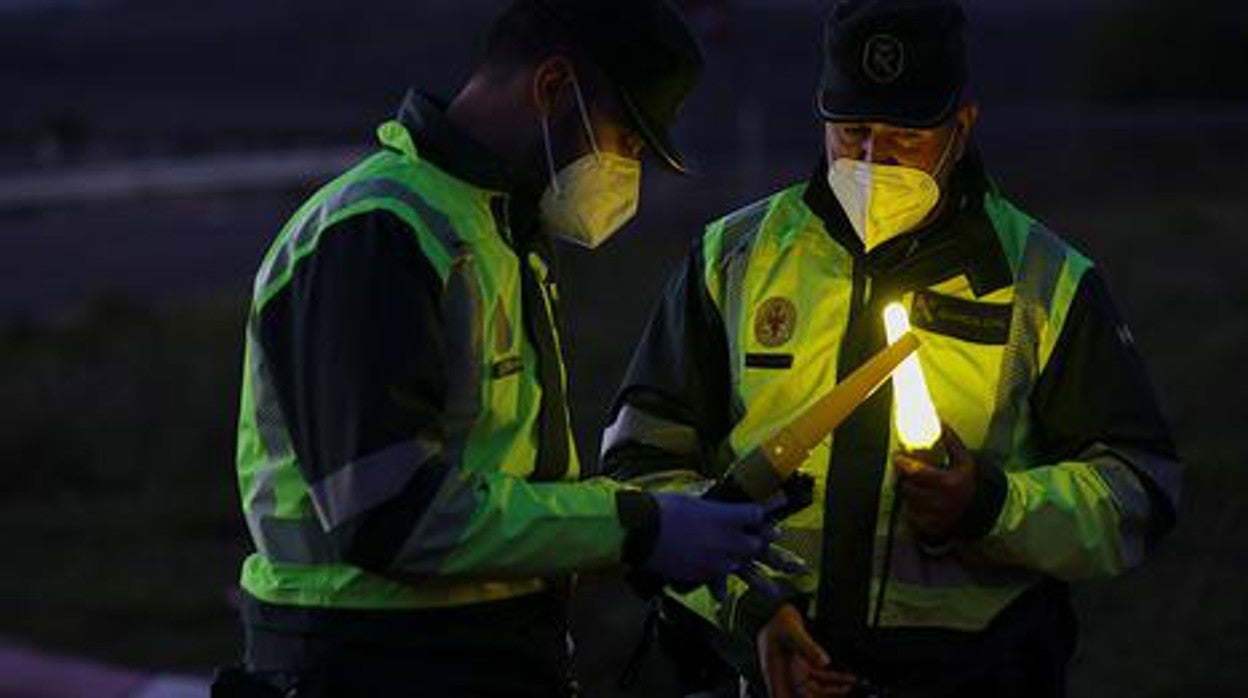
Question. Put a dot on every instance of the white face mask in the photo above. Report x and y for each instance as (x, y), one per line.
(884, 201)
(595, 195)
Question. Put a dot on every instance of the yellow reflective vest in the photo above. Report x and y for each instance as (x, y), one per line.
(1026, 360)
(411, 460)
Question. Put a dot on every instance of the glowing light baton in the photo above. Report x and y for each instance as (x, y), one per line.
(772, 467)
(918, 426)
(762, 472)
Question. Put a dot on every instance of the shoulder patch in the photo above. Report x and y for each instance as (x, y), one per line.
(775, 322)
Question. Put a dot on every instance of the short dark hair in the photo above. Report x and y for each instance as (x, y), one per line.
(526, 32)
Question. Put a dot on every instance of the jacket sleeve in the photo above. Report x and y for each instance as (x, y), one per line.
(673, 410)
(356, 346)
(1110, 489)
(671, 422)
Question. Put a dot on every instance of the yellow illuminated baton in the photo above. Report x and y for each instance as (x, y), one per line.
(770, 467)
(918, 426)
(762, 472)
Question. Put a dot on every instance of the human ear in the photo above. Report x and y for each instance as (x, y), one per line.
(966, 118)
(546, 87)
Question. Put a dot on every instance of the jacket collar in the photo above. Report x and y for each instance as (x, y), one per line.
(438, 140)
(451, 150)
(961, 241)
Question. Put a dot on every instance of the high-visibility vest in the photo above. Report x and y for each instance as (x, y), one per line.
(784, 289)
(492, 409)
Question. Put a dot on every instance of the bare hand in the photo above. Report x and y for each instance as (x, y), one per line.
(793, 663)
(936, 498)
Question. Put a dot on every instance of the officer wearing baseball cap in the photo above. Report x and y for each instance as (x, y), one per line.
(405, 460)
(645, 50)
(940, 572)
(892, 97)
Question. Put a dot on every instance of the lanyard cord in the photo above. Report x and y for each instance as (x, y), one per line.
(888, 555)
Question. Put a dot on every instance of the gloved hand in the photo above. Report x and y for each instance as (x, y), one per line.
(701, 540)
(755, 572)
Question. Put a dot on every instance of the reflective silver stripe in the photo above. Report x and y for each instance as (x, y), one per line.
(740, 229)
(314, 220)
(294, 541)
(363, 484)
(1135, 509)
(261, 501)
(638, 426)
(436, 221)
(440, 531)
(1165, 473)
(289, 541)
(269, 419)
(463, 314)
(910, 565)
(1041, 268)
(734, 312)
(272, 268)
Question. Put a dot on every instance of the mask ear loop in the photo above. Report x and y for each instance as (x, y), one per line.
(589, 127)
(550, 155)
(944, 157)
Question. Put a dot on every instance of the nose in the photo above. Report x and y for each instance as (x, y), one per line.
(877, 151)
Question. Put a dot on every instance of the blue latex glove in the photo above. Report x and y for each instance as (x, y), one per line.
(702, 540)
(754, 572)
(775, 557)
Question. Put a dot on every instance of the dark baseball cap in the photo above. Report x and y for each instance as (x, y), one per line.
(897, 61)
(648, 51)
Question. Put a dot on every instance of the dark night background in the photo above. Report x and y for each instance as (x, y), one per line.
(150, 150)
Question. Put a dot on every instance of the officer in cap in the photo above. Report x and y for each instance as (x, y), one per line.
(940, 572)
(405, 460)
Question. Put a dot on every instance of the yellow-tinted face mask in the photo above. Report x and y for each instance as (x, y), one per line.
(590, 199)
(884, 201)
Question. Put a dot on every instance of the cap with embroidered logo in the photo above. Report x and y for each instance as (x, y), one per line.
(896, 61)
